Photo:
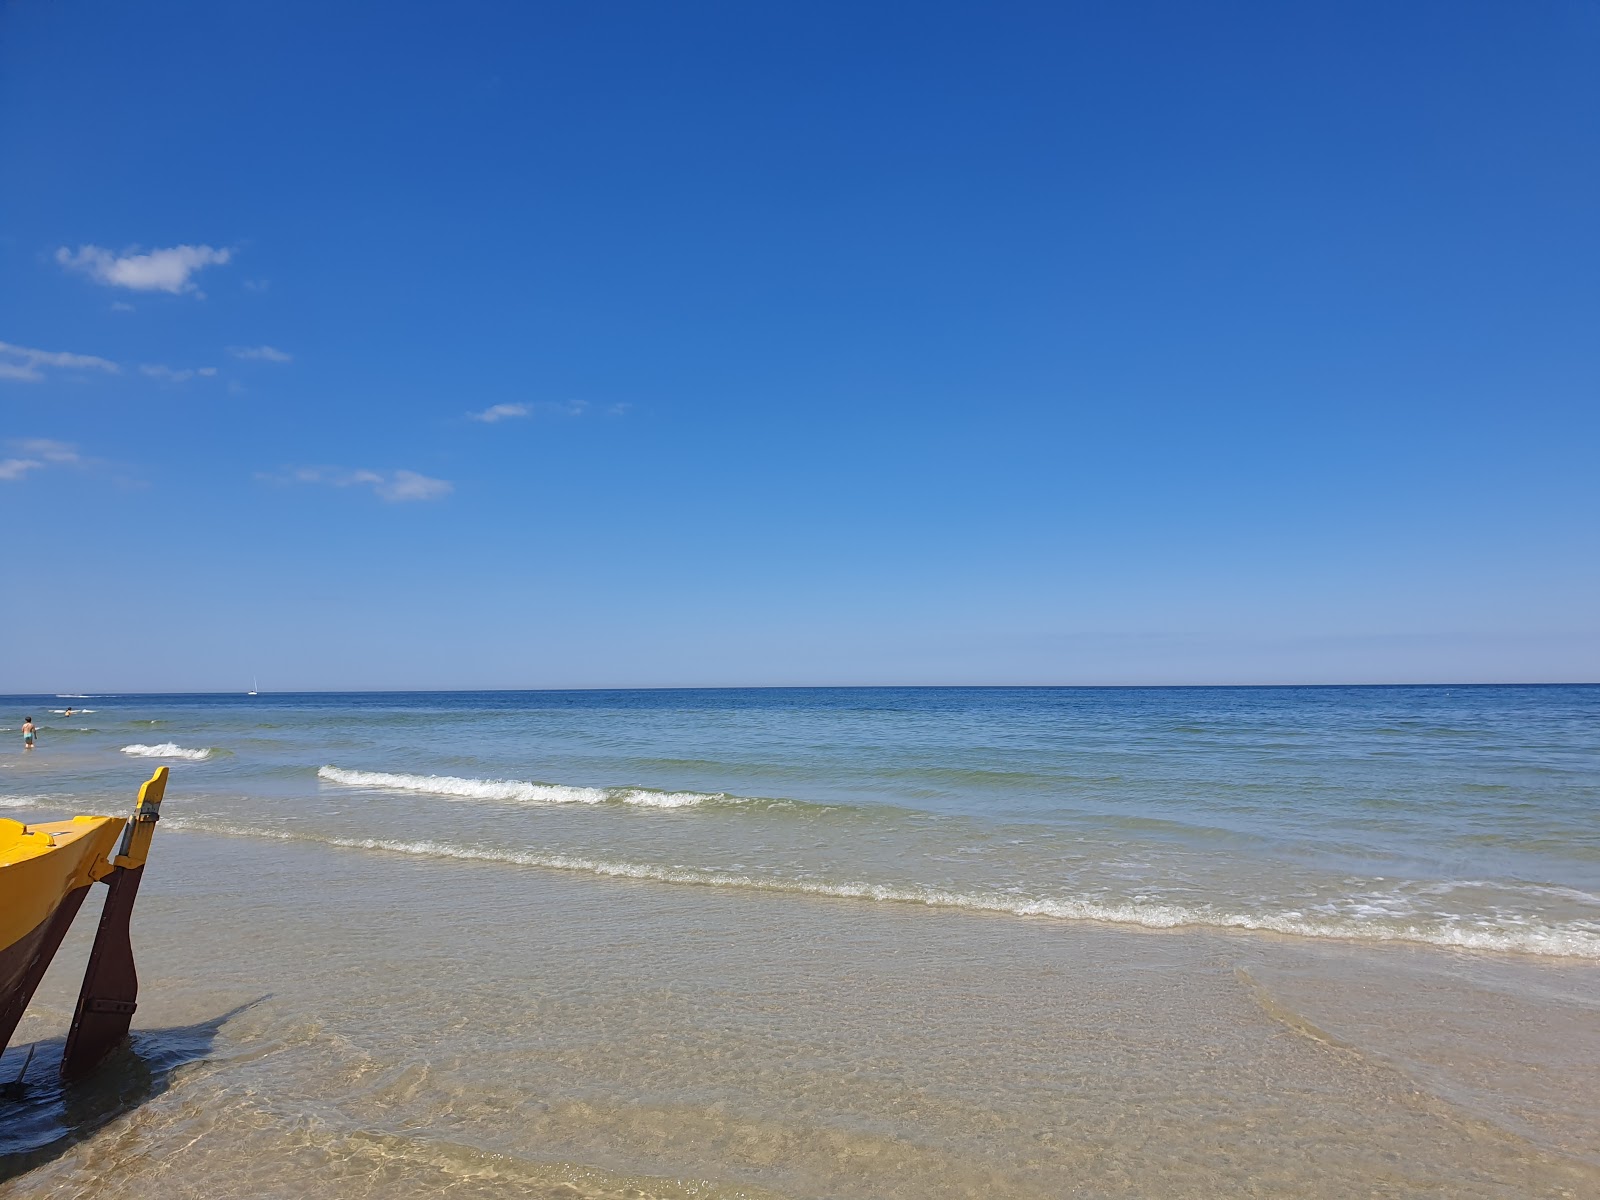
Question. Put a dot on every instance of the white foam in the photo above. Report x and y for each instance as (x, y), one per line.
(515, 791)
(166, 750)
(648, 799)
(1542, 940)
(77, 712)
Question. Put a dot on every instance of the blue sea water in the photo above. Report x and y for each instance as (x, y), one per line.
(1458, 816)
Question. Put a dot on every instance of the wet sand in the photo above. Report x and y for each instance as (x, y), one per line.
(417, 1027)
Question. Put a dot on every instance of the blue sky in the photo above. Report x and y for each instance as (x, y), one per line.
(828, 343)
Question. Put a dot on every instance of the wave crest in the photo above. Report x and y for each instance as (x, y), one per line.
(26, 801)
(516, 791)
(167, 750)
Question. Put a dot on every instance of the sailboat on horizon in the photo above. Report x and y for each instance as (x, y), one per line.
(252, 690)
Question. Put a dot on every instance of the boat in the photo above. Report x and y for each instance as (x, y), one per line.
(253, 685)
(46, 871)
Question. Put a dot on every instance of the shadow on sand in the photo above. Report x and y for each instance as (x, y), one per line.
(41, 1117)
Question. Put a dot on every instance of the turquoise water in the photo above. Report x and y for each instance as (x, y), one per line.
(1456, 816)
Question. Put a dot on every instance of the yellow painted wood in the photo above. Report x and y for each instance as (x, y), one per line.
(145, 814)
(40, 864)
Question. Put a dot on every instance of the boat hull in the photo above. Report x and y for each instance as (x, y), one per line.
(45, 874)
(23, 963)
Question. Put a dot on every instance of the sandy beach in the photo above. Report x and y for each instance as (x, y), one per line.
(406, 1027)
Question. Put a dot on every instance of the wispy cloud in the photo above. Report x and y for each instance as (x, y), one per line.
(500, 412)
(37, 454)
(394, 486)
(260, 354)
(175, 374)
(167, 270)
(21, 362)
(547, 408)
(13, 469)
(408, 485)
(47, 449)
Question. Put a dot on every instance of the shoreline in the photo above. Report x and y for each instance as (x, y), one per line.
(653, 1032)
(915, 897)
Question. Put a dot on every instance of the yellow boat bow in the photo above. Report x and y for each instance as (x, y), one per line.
(46, 871)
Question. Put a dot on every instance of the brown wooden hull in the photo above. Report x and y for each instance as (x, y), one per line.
(24, 962)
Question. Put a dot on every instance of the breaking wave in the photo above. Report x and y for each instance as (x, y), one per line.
(1525, 938)
(167, 750)
(516, 791)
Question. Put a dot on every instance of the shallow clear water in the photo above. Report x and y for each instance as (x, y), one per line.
(843, 942)
(1456, 816)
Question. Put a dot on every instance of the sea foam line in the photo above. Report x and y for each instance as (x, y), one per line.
(24, 801)
(516, 791)
(1544, 941)
(166, 750)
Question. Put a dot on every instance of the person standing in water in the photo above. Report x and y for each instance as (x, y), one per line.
(28, 732)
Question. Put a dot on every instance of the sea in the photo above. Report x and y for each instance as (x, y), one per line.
(854, 942)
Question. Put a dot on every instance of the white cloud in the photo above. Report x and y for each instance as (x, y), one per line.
(260, 354)
(174, 374)
(500, 412)
(408, 485)
(45, 448)
(158, 271)
(121, 306)
(394, 486)
(547, 408)
(20, 362)
(41, 453)
(13, 469)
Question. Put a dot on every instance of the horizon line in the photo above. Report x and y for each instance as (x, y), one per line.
(801, 687)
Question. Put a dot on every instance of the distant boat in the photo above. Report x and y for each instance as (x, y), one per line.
(252, 690)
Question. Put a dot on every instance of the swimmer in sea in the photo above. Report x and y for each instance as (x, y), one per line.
(28, 731)
(68, 713)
